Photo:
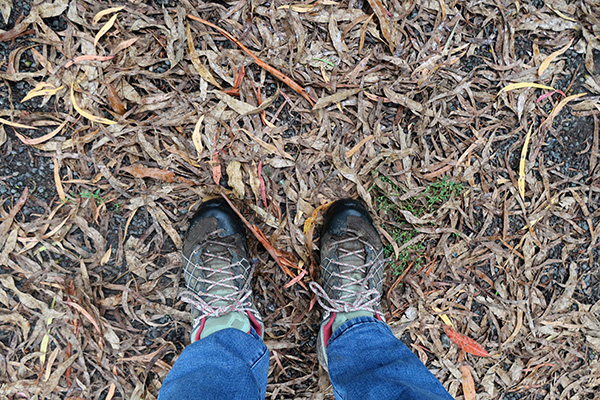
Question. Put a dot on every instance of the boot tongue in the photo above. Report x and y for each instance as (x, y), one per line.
(218, 263)
(355, 260)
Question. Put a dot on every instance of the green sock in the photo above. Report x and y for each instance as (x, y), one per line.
(235, 320)
(342, 317)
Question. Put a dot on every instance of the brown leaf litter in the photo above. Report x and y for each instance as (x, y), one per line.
(438, 114)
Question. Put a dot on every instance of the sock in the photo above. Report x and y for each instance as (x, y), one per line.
(235, 320)
(342, 317)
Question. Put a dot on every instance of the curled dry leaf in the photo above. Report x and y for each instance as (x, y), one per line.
(197, 136)
(521, 181)
(335, 98)
(552, 56)
(114, 100)
(108, 11)
(15, 125)
(42, 89)
(86, 114)
(548, 122)
(387, 30)
(521, 85)
(236, 182)
(105, 28)
(198, 66)
(5, 9)
(43, 138)
(88, 57)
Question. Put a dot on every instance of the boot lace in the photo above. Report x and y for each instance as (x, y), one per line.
(355, 294)
(222, 295)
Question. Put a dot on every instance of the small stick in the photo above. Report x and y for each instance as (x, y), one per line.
(274, 71)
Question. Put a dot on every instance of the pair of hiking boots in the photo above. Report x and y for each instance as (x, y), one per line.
(217, 271)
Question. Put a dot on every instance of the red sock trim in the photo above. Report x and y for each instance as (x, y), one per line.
(327, 332)
(255, 324)
(379, 317)
(200, 329)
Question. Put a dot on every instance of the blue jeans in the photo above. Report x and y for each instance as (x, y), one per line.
(366, 362)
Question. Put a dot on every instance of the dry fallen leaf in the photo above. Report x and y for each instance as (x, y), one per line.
(521, 181)
(552, 56)
(43, 138)
(114, 100)
(15, 125)
(197, 136)
(108, 11)
(467, 383)
(86, 114)
(139, 171)
(465, 343)
(42, 89)
(521, 85)
(5, 9)
(559, 106)
(234, 173)
(385, 23)
(105, 28)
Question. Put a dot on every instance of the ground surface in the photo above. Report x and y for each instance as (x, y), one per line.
(90, 239)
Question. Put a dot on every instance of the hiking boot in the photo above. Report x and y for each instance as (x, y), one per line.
(217, 272)
(352, 268)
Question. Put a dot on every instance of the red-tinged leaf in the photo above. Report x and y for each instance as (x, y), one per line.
(274, 71)
(139, 171)
(465, 343)
(467, 383)
(216, 169)
(546, 95)
(284, 259)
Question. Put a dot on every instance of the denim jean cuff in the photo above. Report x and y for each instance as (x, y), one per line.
(348, 325)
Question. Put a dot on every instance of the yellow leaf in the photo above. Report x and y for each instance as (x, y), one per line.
(200, 68)
(108, 11)
(105, 28)
(58, 183)
(560, 14)
(521, 85)
(310, 221)
(446, 320)
(15, 125)
(42, 89)
(521, 181)
(301, 8)
(196, 136)
(44, 348)
(86, 114)
(46, 338)
(552, 56)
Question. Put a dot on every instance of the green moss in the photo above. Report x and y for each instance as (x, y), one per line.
(402, 232)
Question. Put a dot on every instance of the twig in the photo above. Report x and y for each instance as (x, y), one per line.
(274, 71)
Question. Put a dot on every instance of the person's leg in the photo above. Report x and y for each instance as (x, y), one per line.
(364, 359)
(227, 358)
(228, 364)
